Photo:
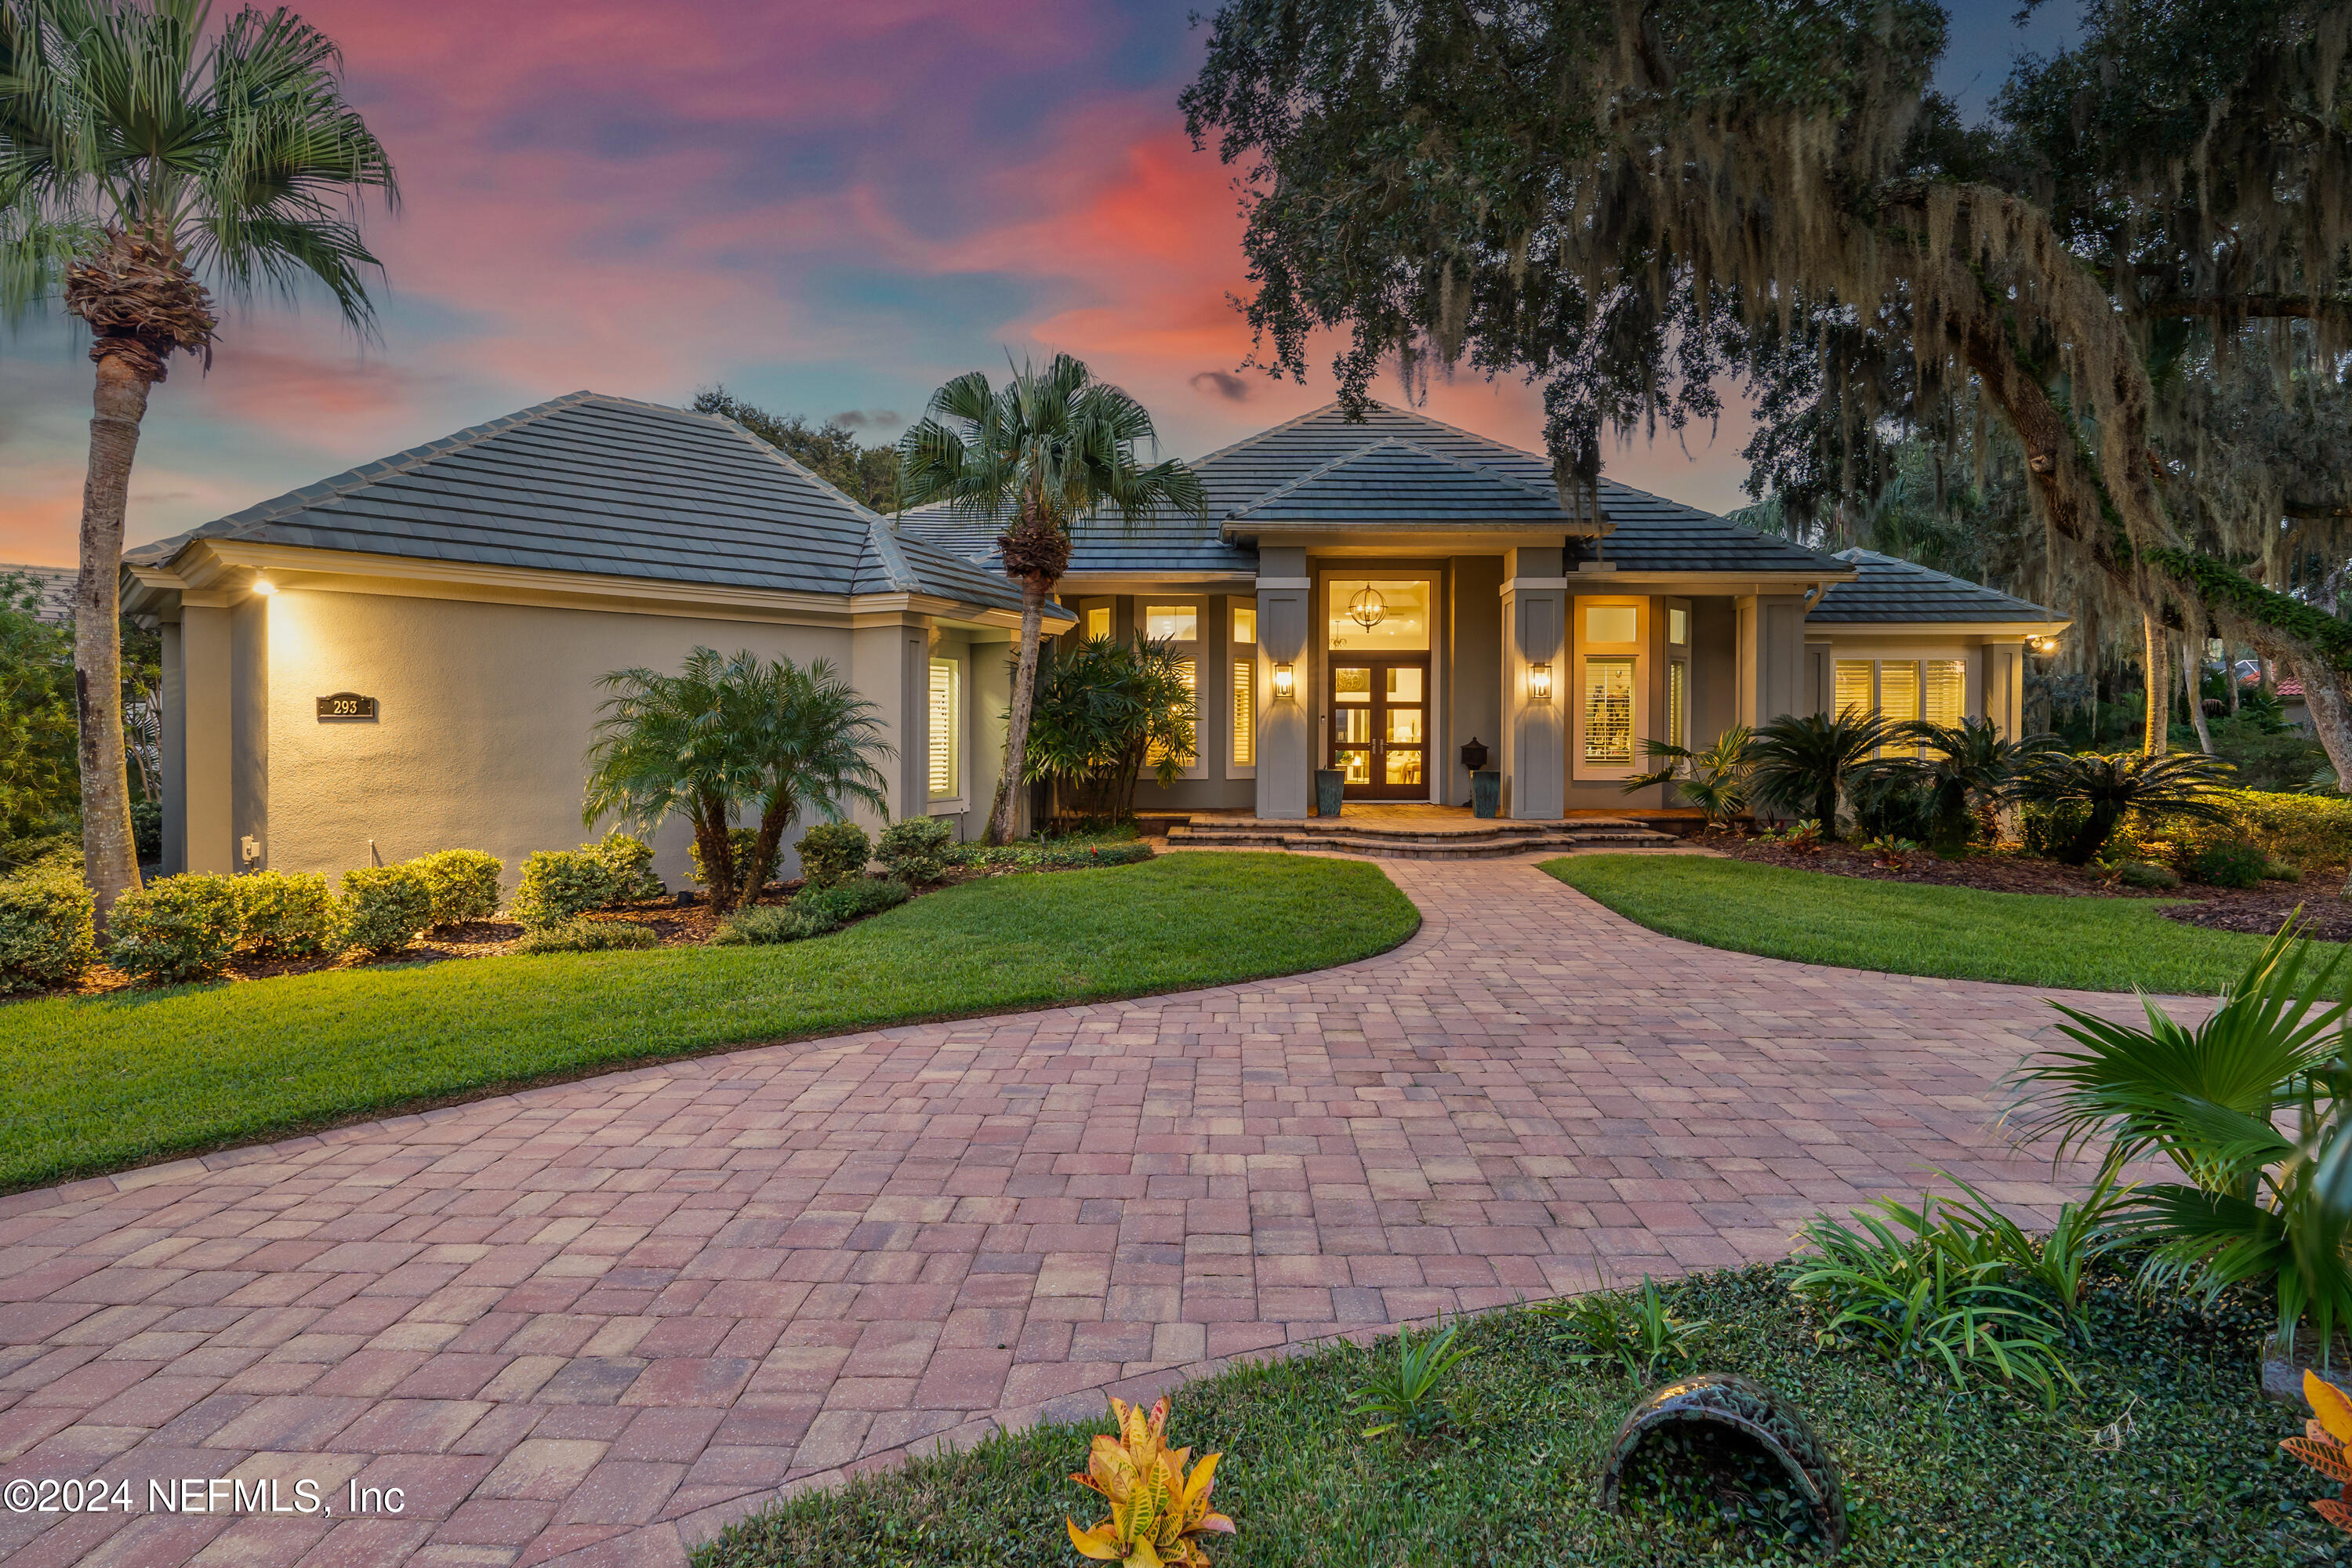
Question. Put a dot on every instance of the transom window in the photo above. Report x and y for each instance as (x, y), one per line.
(1172, 623)
(1378, 615)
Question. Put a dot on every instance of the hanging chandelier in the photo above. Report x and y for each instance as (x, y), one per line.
(1368, 609)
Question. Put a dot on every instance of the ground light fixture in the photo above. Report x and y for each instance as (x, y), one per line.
(1539, 682)
(1282, 682)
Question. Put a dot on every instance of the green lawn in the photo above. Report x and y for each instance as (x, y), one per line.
(1911, 927)
(96, 1084)
(1936, 1477)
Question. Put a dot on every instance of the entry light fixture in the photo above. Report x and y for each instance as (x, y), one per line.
(1539, 683)
(1368, 608)
(264, 585)
(1282, 682)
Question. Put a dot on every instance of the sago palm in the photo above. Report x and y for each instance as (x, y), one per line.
(140, 152)
(816, 741)
(1047, 450)
(1968, 769)
(1802, 763)
(2180, 784)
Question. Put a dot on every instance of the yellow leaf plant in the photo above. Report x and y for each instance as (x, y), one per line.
(2326, 1446)
(1157, 1512)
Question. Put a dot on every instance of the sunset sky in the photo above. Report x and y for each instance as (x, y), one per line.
(829, 207)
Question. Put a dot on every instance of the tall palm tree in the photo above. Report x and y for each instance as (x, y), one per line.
(816, 742)
(138, 151)
(1047, 450)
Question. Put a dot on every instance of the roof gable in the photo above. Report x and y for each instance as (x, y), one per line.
(1395, 482)
(1893, 590)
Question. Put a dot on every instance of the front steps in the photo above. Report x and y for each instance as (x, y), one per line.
(1406, 838)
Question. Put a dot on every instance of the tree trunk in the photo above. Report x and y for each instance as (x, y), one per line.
(2230, 673)
(2192, 666)
(1016, 730)
(2155, 660)
(774, 818)
(109, 854)
(717, 854)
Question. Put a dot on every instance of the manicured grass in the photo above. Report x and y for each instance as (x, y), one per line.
(100, 1083)
(1912, 928)
(1935, 1475)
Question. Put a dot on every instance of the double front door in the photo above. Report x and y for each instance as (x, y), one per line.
(1379, 724)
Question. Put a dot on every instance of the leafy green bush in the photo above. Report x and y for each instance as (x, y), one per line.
(1639, 1333)
(2277, 870)
(914, 850)
(385, 907)
(2230, 863)
(289, 914)
(631, 862)
(463, 883)
(852, 900)
(815, 911)
(174, 929)
(2145, 874)
(46, 937)
(834, 852)
(2305, 830)
(584, 935)
(740, 841)
(559, 885)
(2048, 829)
(1050, 855)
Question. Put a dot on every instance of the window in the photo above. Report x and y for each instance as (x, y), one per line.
(1172, 623)
(1944, 690)
(1245, 712)
(1902, 690)
(1376, 615)
(945, 708)
(1609, 622)
(1678, 701)
(1678, 625)
(1188, 673)
(1854, 690)
(1609, 710)
(1098, 621)
(1246, 623)
(1898, 690)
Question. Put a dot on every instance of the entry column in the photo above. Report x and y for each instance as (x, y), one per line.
(1286, 739)
(1535, 685)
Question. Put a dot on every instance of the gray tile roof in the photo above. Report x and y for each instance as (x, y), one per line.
(610, 487)
(1894, 590)
(1398, 482)
(1648, 533)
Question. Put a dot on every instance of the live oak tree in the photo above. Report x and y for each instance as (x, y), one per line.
(1049, 450)
(2138, 272)
(141, 153)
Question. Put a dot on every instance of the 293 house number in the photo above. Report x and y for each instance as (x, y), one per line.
(346, 705)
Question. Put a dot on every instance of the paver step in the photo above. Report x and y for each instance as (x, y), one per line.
(1394, 842)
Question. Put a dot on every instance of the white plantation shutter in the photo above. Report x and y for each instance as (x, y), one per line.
(943, 728)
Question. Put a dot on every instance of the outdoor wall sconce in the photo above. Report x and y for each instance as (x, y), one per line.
(1282, 682)
(264, 585)
(1539, 682)
(2044, 644)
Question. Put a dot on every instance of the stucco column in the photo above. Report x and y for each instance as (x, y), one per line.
(1535, 646)
(1285, 735)
(206, 804)
(1773, 658)
(174, 748)
(890, 666)
(2004, 687)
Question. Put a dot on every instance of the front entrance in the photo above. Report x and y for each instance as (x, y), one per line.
(1379, 724)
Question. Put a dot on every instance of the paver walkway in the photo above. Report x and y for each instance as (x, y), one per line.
(590, 1322)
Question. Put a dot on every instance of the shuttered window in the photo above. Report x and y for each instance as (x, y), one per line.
(1853, 686)
(1944, 689)
(1678, 701)
(1188, 673)
(945, 707)
(1608, 710)
(1245, 712)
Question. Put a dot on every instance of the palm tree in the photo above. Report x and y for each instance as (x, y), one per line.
(815, 741)
(683, 745)
(2180, 784)
(1041, 453)
(1970, 770)
(1714, 780)
(1801, 764)
(1107, 708)
(135, 153)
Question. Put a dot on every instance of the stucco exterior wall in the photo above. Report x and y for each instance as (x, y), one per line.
(485, 713)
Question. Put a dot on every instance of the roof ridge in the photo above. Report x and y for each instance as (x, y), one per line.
(1461, 463)
(886, 545)
(1270, 430)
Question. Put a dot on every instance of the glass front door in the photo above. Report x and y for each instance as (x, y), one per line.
(1379, 725)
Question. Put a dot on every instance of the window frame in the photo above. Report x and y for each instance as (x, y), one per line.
(1571, 690)
(1189, 648)
(958, 797)
(1240, 654)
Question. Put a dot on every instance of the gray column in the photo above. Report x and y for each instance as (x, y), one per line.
(1772, 657)
(1286, 736)
(207, 813)
(1535, 641)
(176, 752)
(890, 666)
(2004, 687)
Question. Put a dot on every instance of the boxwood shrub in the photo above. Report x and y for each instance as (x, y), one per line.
(834, 852)
(462, 883)
(385, 907)
(631, 862)
(46, 939)
(175, 929)
(559, 885)
(289, 914)
(914, 851)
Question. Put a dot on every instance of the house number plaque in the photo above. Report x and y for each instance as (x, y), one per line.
(346, 705)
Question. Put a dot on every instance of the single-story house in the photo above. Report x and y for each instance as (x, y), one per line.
(407, 657)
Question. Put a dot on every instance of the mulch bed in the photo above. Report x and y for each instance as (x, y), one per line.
(2257, 911)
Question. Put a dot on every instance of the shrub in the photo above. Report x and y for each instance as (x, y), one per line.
(914, 850)
(174, 929)
(2232, 864)
(462, 884)
(764, 923)
(2145, 874)
(631, 862)
(2048, 829)
(46, 939)
(1158, 1512)
(582, 935)
(385, 907)
(559, 885)
(1404, 1389)
(834, 852)
(739, 849)
(289, 914)
(2277, 870)
(1046, 857)
(852, 900)
(2178, 786)
(2306, 830)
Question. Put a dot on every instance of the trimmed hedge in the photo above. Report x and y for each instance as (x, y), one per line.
(559, 885)
(385, 906)
(914, 850)
(584, 935)
(631, 862)
(289, 914)
(46, 935)
(462, 884)
(175, 929)
(834, 852)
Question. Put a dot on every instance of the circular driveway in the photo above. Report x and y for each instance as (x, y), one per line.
(591, 1323)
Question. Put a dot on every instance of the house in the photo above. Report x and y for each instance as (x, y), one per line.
(55, 584)
(407, 657)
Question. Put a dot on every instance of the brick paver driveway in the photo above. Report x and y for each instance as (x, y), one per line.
(589, 1323)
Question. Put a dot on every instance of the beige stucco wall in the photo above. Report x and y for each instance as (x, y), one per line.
(485, 713)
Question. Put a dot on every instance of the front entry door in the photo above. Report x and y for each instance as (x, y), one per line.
(1379, 724)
